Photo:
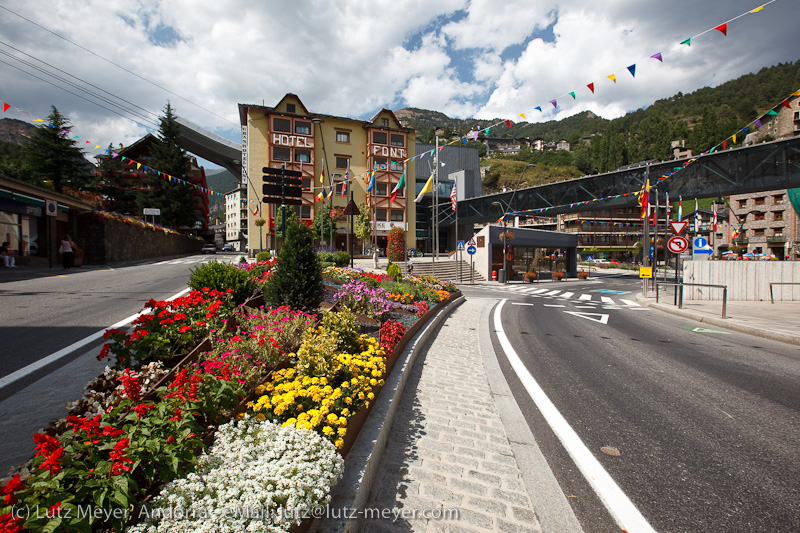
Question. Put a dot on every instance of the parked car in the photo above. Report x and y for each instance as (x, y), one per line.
(209, 249)
(227, 248)
(615, 261)
(601, 260)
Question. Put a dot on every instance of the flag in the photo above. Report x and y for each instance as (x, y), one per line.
(644, 199)
(400, 185)
(427, 188)
(680, 208)
(696, 217)
(321, 195)
(453, 196)
(346, 178)
(669, 209)
(371, 181)
(714, 216)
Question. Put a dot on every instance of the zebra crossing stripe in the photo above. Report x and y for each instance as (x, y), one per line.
(551, 293)
(629, 302)
(607, 300)
(585, 297)
(567, 295)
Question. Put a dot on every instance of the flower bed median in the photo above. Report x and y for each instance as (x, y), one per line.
(131, 450)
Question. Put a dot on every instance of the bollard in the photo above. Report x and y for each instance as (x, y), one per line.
(494, 275)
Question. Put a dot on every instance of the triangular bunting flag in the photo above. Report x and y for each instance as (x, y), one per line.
(5, 107)
(523, 116)
(632, 70)
(572, 94)
(555, 104)
(612, 78)
(539, 108)
(723, 28)
(786, 103)
(724, 144)
(756, 10)
(758, 122)
(734, 138)
(486, 131)
(657, 56)
(465, 140)
(591, 87)
(687, 42)
(796, 93)
(508, 123)
(771, 112)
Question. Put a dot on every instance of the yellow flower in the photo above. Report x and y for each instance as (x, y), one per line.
(260, 417)
(371, 396)
(327, 431)
(345, 412)
(342, 432)
(348, 400)
(332, 418)
(339, 443)
(290, 422)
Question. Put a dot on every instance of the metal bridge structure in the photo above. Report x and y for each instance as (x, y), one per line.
(761, 167)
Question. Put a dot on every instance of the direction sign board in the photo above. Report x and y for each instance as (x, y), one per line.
(645, 272)
(678, 226)
(471, 249)
(460, 246)
(677, 244)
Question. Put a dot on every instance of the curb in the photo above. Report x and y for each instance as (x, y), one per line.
(721, 322)
(361, 464)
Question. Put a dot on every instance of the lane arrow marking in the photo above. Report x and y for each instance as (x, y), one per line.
(595, 317)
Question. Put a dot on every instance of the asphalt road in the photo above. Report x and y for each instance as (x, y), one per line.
(41, 316)
(705, 423)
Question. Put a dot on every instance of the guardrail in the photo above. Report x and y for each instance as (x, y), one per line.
(682, 285)
(771, 298)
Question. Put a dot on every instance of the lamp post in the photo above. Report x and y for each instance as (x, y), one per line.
(318, 121)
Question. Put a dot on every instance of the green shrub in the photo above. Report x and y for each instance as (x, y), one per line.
(223, 276)
(397, 286)
(341, 259)
(325, 264)
(243, 259)
(394, 271)
(263, 256)
(297, 278)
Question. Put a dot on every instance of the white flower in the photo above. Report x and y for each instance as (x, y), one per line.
(257, 477)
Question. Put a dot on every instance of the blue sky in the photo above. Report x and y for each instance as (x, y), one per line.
(479, 58)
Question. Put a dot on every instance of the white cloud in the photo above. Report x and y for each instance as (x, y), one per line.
(351, 58)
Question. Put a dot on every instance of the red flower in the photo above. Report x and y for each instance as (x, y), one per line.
(54, 509)
(9, 524)
(109, 431)
(141, 410)
(103, 352)
(130, 383)
(171, 439)
(184, 328)
(120, 460)
(177, 416)
(45, 444)
(53, 462)
(14, 484)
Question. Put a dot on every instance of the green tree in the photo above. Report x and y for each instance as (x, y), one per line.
(322, 216)
(291, 216)
(363, 226)
(52, 156)
(117, 191)
(176, 200)
(297, 279)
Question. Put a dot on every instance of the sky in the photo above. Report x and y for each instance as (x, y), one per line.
(111, 66)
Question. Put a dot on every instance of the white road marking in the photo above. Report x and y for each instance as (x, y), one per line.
(551, 293)
(606, 300)
(567, 295)
(629, 302)
(585, 297)
(521, 303)
(55, 356)
(616, 501)
(595, 317)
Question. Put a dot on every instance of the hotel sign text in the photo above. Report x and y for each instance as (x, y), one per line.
(281, 139)
(387, 151)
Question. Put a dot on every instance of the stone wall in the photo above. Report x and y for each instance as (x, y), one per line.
(108, 241)
(746, 280)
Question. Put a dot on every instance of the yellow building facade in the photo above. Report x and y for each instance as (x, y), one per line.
(328, 151)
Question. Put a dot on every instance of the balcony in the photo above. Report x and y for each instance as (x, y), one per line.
(776, 238)
(739, 241)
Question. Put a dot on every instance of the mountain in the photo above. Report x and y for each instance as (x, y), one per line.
(736, 103)
(221, 181)
(15, 131)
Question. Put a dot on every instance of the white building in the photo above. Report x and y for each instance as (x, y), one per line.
(236, 219)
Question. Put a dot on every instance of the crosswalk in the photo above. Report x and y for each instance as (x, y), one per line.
(194, 260)
(586, 300)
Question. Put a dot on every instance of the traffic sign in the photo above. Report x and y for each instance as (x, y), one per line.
(471, 249)
(645, 272)
(460, 246)
(677, 244)
(282, 172)
(471, 241)
(678, 226)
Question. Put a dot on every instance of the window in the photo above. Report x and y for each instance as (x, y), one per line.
(343, 137)
(302, 156)
(385, 122)
(778, 232)
(380, 189)
(397, 215)
(282, 124)
(290, 108)
(380, 214)
(302, 128)
(742, 204)
(759, 200)
(379, 137)
(777, 199)
(306, 184)
(758, 232)
(281, 154)
(396, 166)
(398, 140)
(777, 215)
(379, 163)
(758, 216)
(342, 162)
(305, 211)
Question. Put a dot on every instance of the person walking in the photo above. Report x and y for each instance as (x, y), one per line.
(67, 250)
(8, 256)
(410, 267)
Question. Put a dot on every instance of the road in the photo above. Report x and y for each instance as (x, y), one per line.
(699, 428)
(42, 316)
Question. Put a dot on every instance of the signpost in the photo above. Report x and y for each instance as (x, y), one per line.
(283, 187)
(471, 251)
(678, 226)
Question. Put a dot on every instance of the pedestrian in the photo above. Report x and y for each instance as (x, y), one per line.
(410, 267)
(8, 256)
(66, 249)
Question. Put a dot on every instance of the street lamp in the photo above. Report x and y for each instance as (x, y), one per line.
(318, 121)
(505, 213)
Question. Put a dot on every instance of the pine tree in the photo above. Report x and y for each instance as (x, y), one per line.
(297, 279)
(52, 156)
(176, 200)
(117, 191)
(322, 216)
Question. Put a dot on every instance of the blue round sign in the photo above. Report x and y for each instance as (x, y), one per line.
(471, 250)
(700, 242)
